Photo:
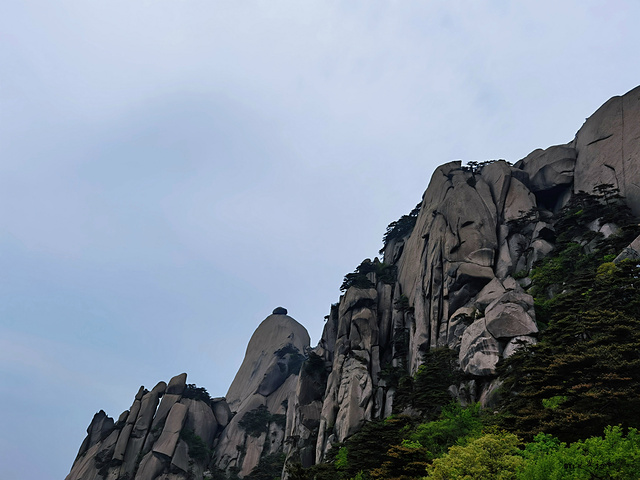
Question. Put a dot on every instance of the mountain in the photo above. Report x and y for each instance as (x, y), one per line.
(452, 294)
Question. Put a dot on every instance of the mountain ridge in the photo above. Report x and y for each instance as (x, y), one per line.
(457, 278)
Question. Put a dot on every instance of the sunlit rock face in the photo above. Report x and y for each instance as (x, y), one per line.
(457, 279)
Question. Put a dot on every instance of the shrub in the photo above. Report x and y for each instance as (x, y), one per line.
(400, 228)
(256, 422)
(198, 450)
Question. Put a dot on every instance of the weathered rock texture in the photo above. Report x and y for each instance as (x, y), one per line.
(459, 280)
(175, 431)
(266, 379)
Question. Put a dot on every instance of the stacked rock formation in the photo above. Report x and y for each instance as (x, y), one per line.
(461, 272)
(172, 431)
(459, 281)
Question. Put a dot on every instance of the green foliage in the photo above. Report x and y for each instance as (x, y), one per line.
(368, 448)
(494, 456)
(587, 358)
(401, 228)
(314, 368)
(196, 393)
(554, 402)
(476, 167)
(455, 425)
(198, 449)
(384, 273)
(321, 471)
(428, 390)
(293, 356)
(525, 220)
(610, 456)
(256, 422)
(269, 467)
(402, 304)
(341, 462)
(405, 461)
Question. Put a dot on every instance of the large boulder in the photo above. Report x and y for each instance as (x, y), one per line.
(479, 350)
(550, 168)
(168, 440)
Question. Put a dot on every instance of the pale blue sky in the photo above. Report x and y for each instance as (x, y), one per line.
(172, 170)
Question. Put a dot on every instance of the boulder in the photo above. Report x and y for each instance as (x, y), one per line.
(168, 440)
(101, 425)
(221, 411)
(123, 440)
(180, 457)
(539, 249)
(201, 420)
(177, 384)
(357, 297)
(479, 350)
(507, 320)
(150, 467)
(491, 291)
(498, 176)
(518, 202)
(148, 407)
(275, 333)
(550, 168)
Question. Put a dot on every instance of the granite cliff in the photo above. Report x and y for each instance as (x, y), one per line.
(454, 273)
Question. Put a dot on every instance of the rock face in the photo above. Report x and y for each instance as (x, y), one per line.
(478, 230)
(145, 440)
(263, 388)
(456, 279)
(175, 431)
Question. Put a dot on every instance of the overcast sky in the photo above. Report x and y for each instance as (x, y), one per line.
(173, 170)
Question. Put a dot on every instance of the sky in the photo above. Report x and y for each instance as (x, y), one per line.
(173, 170)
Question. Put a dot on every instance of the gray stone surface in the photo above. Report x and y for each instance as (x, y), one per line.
(632, 252)
(508, 320)
(479, 350)
(609, 150)
(180, 457)
(273, 334)
(201, 420)
(168, 440)
(150, 467)
(550, 168)
(221, 411)
(177, 384)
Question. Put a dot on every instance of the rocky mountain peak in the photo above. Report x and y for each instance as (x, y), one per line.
(454, 278)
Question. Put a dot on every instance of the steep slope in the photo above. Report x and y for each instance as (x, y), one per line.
(460, 272)
(173, 431)
(261, 391)
(454, 275)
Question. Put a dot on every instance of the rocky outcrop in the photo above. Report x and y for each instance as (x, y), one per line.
(262, 390)
(175, 431)
(455, 275)
(145, 441)
(608, 148)
(479, 228)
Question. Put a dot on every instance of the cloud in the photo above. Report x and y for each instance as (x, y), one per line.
(174, 170)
